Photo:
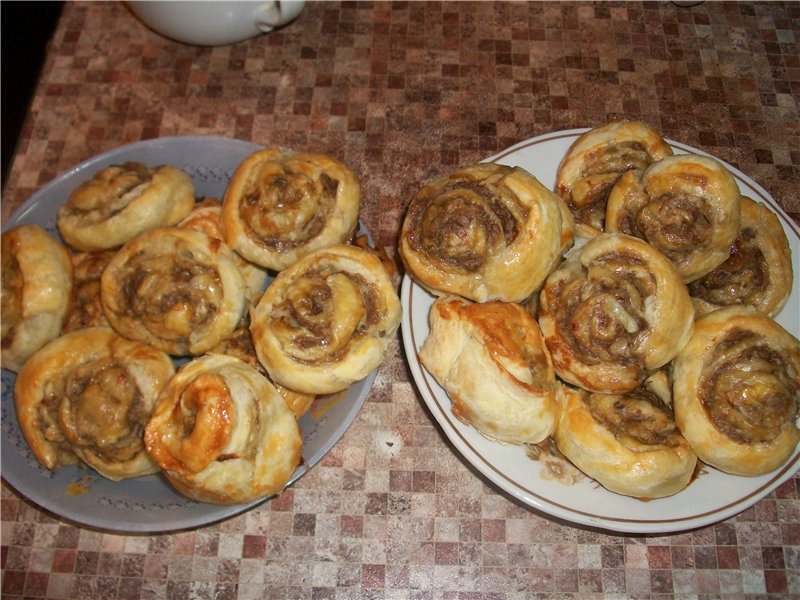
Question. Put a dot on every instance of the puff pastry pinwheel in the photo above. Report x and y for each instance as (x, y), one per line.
(280, 205)
(90, 393)
(122, 201)
(757, 273)
(36, 292)
(687, 206)
(87, 310)
(627, 442)
(596, 160)
(325, 322)
(222, 434)
(484, 232)
(615, 310)
(491, 360)
(176, 289)
(737, 391)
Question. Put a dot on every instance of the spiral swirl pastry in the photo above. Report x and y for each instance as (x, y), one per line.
(484, 232)
(614, 311)
(222, 434)
(325, 322)
(176, 289)
(628, 442)
(687, 206)
(757, 273)
(36, 292)
(87, 310)
(90, 393)
(281, 205)
(737, 391)
(491, 360)
(596, 160)
(122, 201)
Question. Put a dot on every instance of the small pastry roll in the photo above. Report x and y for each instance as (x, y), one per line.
(90, 393)
(484, 232)
(176, 289)
(122, 201)
(491, 360)
(687, 206)
(281, 205)
(87, 310)
(627, 442)
(325, 322)
(615, 310)
(221, 433)
(757, 273)
(36, 292)
(596, 160)
(737, 391)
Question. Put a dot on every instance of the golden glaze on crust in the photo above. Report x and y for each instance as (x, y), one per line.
(491, 360)
(615, 310)
(87, 310)
(122, 201)
(88, 394)
(281, 205)
(686, 206)
(484, 232)
(36, 292)
(221, 432)
(737, 389)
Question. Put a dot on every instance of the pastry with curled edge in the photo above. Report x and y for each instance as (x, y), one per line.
(221, 432)
(87, 310)
(687, 206)
(737, 391)
(627, 442)
(280, 205)
(176, 289)
(757, 273)
(89, 394)
(484, 232)
(596, 160)
(36, 292)
(325, 322)
(491, 360)
(122, 201)
(614, 311)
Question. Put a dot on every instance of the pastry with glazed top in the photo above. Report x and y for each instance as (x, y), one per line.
(484, 232)
(36, 292)
(325, 322)
(222, 434)
(737, 391)
(613, 312)
(627, 442)
(596, 160)
(686, 206)
(176, 289)
(88, 395)
(491, 360)
(280, 205)
(122, 201)
(87, 310)
(757, 273)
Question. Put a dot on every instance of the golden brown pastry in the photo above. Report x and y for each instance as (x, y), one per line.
(627, 442)
(122, 201)
(596, 160)
(484, 232)
(281, 205)
(687, 206)
(614, 311)
(737, 391)
(326, 321)
(757, 273)
(89, 394)
(176, 289)
(491, 360)
(36, 292)
(87, 310)
(222, 434)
